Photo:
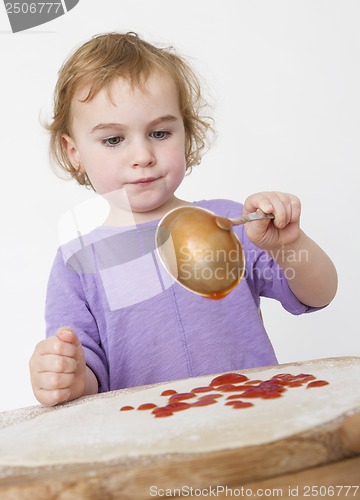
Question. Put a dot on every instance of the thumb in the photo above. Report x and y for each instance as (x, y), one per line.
(258, 231)
(66, 334)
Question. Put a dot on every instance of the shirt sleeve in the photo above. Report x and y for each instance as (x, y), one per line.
(267, 279)
(66, 305)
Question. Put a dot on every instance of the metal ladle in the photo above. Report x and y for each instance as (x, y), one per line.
(200, 250)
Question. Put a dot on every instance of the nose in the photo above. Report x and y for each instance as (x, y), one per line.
(142, 155)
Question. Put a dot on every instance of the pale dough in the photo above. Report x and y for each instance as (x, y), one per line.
(94, 430)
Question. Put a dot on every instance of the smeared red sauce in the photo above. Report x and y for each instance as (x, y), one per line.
(182, 395)
(253, 394)
(147, 406)
(228, 378)
(234, 396)
(168, 392)
(272, 395)
(268, 389)
(276, 387)
(204, 402)
(287, 379)
(208, 388)
(213, 396)
(318, 383)
(239, 404)
(177, 406)
(304, 377)
(163, 413)
(228, 388)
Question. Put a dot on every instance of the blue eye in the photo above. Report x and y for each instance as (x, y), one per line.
(112, 141)
(160, 134)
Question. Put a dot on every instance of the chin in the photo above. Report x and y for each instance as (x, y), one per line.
(144, 210)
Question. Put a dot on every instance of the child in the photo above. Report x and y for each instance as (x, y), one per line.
(127, 123)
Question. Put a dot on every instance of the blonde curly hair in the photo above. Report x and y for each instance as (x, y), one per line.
(101, 60)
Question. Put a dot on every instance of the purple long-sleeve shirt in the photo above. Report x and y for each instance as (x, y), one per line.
(138, 326)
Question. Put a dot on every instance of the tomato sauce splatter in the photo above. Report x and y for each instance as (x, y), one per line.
(147, 406)
(228, 378)
(169, 392)
(181, 396)
(242, 386)
(208, 388)
(318, 383)
(239, 404)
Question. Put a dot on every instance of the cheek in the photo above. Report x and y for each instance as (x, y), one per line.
(98, 181)
(177, 165)
(177, 169)
(176, 155)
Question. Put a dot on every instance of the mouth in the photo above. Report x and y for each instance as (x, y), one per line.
(144, 181)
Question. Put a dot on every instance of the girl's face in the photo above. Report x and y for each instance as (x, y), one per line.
(131, 145)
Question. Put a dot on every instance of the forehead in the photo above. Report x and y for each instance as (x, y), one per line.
(121, 91)
(126, 104)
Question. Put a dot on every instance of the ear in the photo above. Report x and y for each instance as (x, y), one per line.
(71, 151)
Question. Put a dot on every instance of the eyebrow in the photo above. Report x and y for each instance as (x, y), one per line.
(161, 119)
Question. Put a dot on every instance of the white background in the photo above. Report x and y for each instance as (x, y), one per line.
(284, 79)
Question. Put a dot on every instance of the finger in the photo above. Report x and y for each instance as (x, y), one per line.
(52, 398)
(258, 200)
(295, 208)
(291, 209)
(281, 210)
(282, 207)
(54, 345)
(52, 363)
(66, 334)
(57, 364)
(50, 381)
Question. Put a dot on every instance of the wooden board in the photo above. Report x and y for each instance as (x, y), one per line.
(132, 477)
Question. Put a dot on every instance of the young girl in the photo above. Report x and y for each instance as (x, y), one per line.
(127, 123)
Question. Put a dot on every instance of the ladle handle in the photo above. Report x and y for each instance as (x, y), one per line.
(225, 223)
(258, 215)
